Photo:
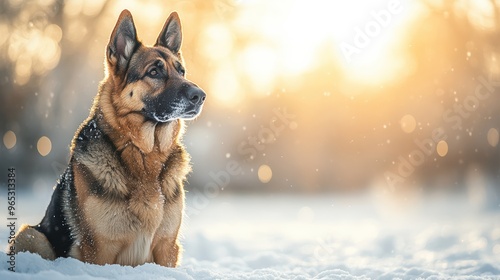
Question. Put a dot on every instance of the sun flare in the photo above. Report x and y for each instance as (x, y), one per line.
(364, 36)
(283, 42)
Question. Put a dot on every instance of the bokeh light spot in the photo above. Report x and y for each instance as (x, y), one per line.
(9, 139)
(44, 145)
(54, 31)
(493, 137)
(442, 148)
(305, 214)
(265, 173)
(408, 123)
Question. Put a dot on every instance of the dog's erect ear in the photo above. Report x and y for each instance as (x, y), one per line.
(122, 43)
(171, 35)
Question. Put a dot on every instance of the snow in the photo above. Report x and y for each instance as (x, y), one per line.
(276, 236)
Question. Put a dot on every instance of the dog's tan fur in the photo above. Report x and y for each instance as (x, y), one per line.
(141, 166)
(29, 239)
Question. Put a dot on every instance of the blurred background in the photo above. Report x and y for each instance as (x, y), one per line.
(303, 96)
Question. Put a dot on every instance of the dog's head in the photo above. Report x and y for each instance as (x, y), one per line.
(151, 81)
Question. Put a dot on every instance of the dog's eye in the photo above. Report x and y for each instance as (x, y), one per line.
(180, 69)
(153, 72)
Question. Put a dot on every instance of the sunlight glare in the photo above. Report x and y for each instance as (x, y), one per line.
(216, 42)
(363, 35)
(259, 63)
(225, 86)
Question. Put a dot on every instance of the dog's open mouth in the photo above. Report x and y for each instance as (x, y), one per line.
(157, 118)
(188, 115)
(191, 114)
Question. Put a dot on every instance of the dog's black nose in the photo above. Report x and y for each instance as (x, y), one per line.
(195, 95)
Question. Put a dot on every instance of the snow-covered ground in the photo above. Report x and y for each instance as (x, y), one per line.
(304, 237)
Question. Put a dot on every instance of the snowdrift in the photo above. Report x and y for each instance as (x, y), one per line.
(293, 237)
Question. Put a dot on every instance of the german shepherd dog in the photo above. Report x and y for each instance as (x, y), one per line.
(121, 198)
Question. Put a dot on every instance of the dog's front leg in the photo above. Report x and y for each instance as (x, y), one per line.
(99, 251)
(167, 252)
(28, 239)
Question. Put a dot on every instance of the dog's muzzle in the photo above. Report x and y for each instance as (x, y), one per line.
(195, 98)
(185, 102)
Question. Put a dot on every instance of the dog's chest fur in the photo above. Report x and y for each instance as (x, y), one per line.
(126, 193)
